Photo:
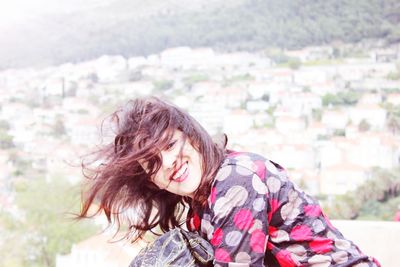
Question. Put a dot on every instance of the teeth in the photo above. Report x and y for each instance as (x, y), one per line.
(181, 171)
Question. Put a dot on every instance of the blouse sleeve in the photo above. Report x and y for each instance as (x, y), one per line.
(237, 223)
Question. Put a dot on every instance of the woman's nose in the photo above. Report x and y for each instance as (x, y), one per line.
(169, 159)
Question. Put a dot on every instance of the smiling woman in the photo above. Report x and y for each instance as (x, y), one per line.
(155, 165)
(243, 204)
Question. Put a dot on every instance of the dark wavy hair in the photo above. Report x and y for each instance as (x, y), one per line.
(118, 184)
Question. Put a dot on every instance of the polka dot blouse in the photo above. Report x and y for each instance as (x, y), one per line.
(257, 217)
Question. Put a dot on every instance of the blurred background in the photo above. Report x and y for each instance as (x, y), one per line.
(312, 85)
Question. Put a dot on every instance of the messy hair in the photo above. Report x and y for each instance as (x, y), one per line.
(119, 185)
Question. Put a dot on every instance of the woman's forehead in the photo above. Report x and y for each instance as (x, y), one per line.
(156, 144)
(170, 134)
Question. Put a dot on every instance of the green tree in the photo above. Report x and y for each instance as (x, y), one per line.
(46, 227)
(162, 85)
(6, 140)
(330, 99)
(4, 125)
(376, 199)
(195, 78)
(341, 99)
(364, 126)
(294, 63)
(394, 124)
(59, 128)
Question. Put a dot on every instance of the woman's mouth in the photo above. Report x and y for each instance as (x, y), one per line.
(181, 174)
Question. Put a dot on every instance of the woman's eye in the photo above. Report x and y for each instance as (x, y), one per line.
(170, 145)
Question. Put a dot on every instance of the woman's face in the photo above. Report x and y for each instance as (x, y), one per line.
(181, 171)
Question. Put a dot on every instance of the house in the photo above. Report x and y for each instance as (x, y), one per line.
(288, 124)
(316, 130)
(257, 106)
(311, 53)
(98, 251)
(241, 60)
(209, 114)
(335, 118)
(111, 69)
(203, 89)
(135, 89)
(11, 111)
(237, 121)
(234, 97)
(371, 99)
(350, 72)
(331, 152)
(256, 90)
(39, 151)
(375, 149)
(268, 91)
(45, 116)
(306, 179)
(184, 101)
(260, 74)
(301, 103)
(82, 130)
(22, 137)
(65, 161)
(295, 156)
(281, 75)
(310, 76)
(393, 99)
(371, 113)
(258, 141)
(270, 137)
(136, 62)
(385, 55)
(340, 178)
(369, 84)
(53, 87)
(187, 58)
(302, 55)
(320, 89)
(6, 168)
(276, 96)
(79, 105)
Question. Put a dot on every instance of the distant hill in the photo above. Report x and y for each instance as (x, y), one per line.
(132, 27)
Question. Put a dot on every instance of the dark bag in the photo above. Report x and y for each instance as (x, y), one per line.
(178, 248)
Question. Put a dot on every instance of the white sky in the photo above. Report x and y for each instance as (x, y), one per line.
(19, 10)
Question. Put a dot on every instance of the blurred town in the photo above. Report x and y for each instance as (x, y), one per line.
(329, 114)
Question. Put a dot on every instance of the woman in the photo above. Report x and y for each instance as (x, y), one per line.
(243, 204)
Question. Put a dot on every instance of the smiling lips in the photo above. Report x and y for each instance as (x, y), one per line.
(181, 174)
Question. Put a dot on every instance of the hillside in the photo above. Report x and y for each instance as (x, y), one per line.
(132, 28)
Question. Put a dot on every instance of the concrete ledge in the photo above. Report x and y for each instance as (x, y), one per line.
(379, 239)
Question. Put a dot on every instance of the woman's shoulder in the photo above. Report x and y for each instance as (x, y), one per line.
(252, 162)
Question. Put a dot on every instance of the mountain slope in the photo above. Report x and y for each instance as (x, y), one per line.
(133, 28)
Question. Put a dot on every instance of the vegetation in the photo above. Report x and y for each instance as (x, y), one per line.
(162, 85)
(6, 140)
(347, 98)
(245, 25)
(238, 78)
(43, 225)
(364, 126)
(376, 199)
(195, 78)
(393, 115)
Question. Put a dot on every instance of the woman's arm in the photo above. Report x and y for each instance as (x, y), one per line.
(237, 224)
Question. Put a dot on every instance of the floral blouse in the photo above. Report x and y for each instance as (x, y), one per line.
(257, 217)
